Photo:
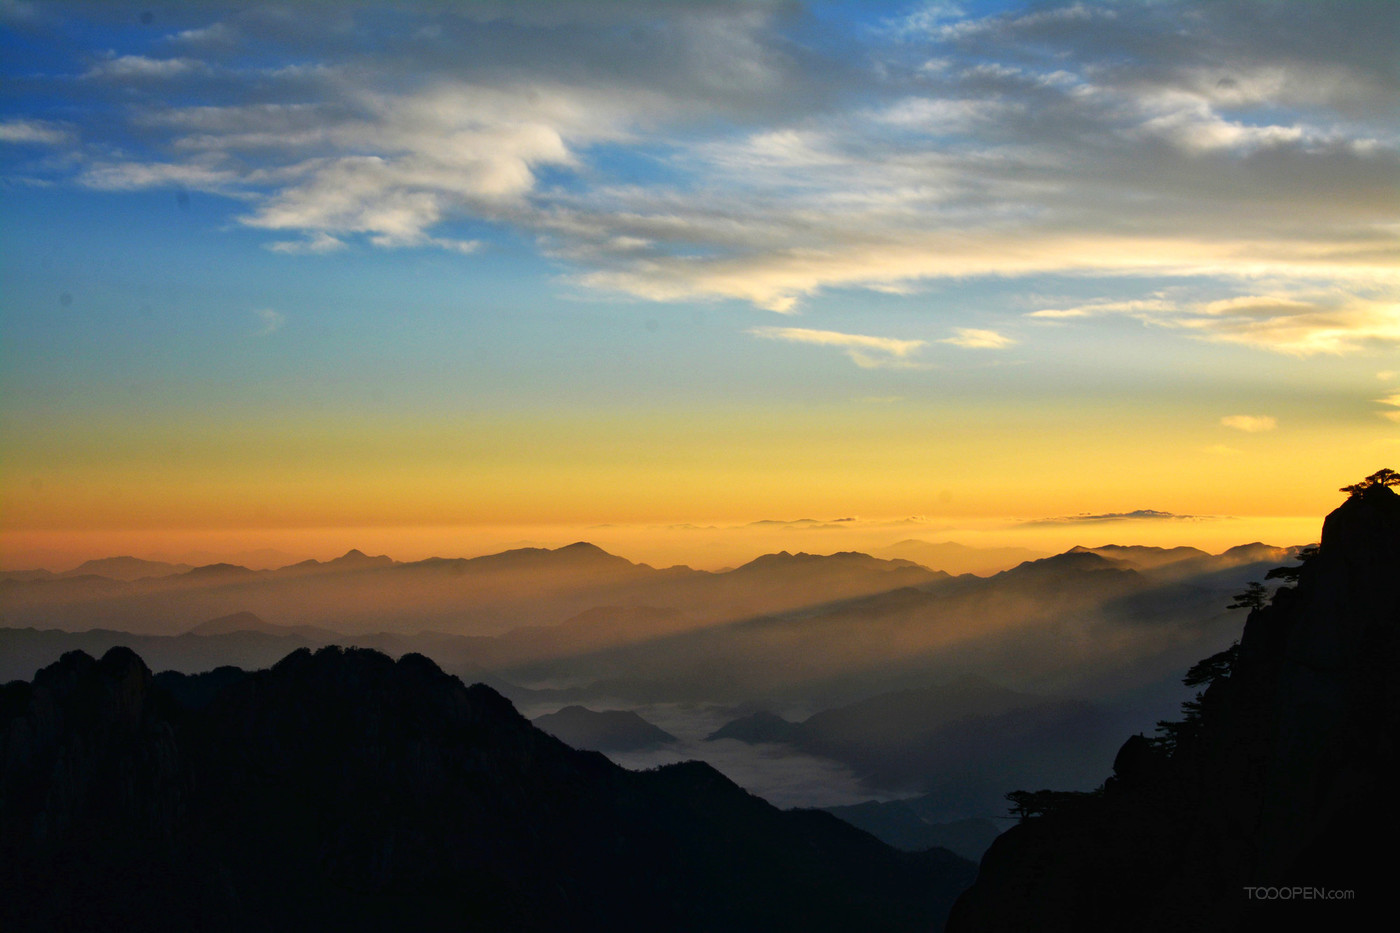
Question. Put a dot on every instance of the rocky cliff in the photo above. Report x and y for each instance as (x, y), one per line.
(345, 790)
(1269, 801)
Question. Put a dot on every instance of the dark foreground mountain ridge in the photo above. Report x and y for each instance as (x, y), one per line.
(342, 789)
(1269, 801)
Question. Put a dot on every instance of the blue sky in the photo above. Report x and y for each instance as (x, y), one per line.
(1071, 234)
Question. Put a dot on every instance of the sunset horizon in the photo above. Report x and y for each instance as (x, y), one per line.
(274, 271)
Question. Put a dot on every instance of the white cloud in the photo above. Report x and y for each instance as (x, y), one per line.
(34, 131)
(1394, 402)
(1251, 424)
(1105, 307)
(271, 321)
(134, 176)
(866, 351)
(318, 243)
(140, 67)
(976, 339)
(215, 34)
(389, 166)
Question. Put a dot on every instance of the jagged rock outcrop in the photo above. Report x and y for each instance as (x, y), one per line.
(1273, 800)
(345, 790)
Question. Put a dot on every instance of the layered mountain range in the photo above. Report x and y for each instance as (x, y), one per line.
(600, 624)
(1091, 642)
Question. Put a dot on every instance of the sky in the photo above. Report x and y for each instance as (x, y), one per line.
(432, 277)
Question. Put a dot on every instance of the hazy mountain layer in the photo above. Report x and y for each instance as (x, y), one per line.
(1080, 624)
(602, 731)
(357, 594)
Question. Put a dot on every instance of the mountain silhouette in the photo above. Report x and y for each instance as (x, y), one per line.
(1141, 556)
(240, 622)
(352, 560)
(342, 789)
(954, 558)
(126, 568)
(1276, 779)
(611, 730)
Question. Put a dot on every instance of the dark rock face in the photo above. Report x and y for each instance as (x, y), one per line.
(345, 790)
(1281, 785)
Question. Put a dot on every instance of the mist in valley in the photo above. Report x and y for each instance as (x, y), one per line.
(822, 680)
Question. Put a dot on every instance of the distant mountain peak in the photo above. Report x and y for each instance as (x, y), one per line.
(236, 622)
(603, 731)
(358, 558)
(583, 547)
(126, 568)
(1077, 558)
(218, 570)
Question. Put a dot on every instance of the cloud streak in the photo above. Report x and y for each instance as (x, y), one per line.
(1300, 322)
(1250, 424)
(1139, 515)
(39, 132)
(973, 338)
(865, 351)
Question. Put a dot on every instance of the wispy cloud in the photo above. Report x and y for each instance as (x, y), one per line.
(1392, 401)
(1251, 424)
(135, 176)
(1142, 306)
(1222, 142)
(139, 68)
(40, 132)
(1139, 515)
(1334, 324)
(974, 339)
(270, 321)
(1302, 322)
(318, 243)
(867, 352)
